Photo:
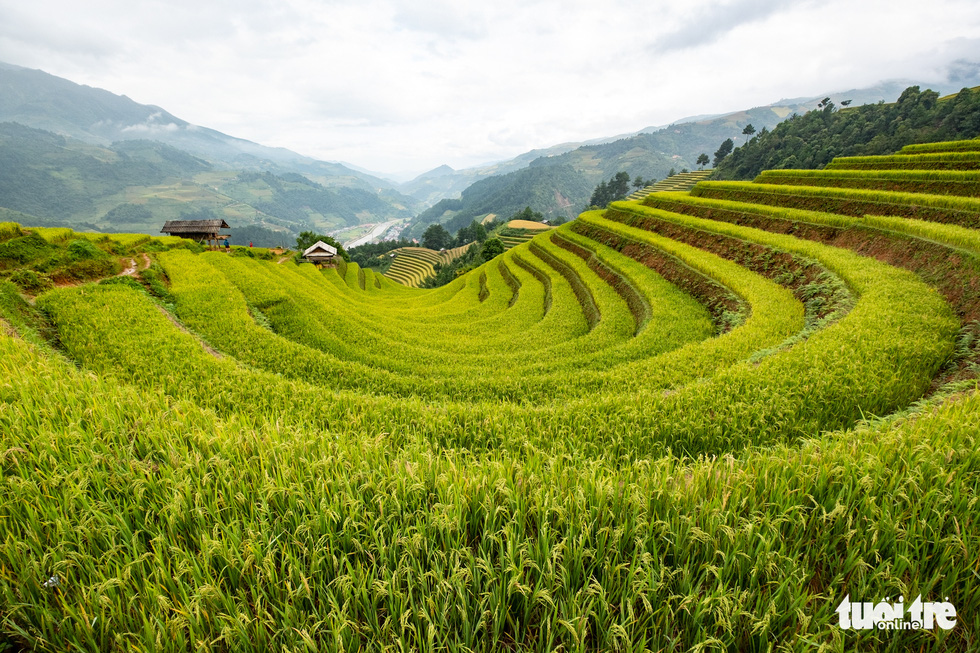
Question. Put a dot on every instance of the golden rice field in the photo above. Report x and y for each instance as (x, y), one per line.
(696, 422)
(411, 265)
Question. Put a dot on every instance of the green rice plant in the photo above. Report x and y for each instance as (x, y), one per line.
(168, 526)
(944, 146)
(945, 160)
(943, 182)
(350, 465)
(947, 209)
(953, 236)
(54, 235)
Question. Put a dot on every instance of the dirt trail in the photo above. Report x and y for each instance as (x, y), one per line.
(133, 265)
(130, 268)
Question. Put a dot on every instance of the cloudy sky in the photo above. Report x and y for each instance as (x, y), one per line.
(402, 86)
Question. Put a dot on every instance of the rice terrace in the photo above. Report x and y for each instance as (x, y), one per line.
(715, 420)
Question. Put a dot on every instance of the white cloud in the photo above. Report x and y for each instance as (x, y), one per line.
(397, 84)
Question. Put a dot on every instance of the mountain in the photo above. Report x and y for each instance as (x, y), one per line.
(445, 183)
(83, 157)
(37, 99)
(135, 186)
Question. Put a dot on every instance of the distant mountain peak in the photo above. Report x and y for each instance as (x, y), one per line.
(441, 171)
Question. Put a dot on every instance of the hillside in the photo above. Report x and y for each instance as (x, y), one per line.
(813, 139)
(97, 117)
(135, 186)
(506, 195)
(705, 418)
(36, 99)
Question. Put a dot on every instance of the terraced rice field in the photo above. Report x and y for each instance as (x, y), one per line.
(412, 265)
(517, 232)
(694, 422)
(680, 182)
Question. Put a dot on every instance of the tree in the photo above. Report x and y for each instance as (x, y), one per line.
(614, 190)
(436, 237)
(600, 196)
(491, 248)
(724, 150)
(528, 214)
(702, 160)
(748, 131)
(671, 172)
(474, 231)
(479, 231)
(619, 186)
(307, 239)
(639, 182)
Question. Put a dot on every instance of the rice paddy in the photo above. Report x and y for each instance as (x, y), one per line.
(412, 265)
(697, 421)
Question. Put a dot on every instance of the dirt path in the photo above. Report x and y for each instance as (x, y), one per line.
(283, 259)
(130, 268)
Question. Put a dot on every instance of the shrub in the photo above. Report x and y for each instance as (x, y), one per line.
(30, 281)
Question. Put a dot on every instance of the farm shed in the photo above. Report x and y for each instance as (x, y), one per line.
(320, 252)
(203, 231)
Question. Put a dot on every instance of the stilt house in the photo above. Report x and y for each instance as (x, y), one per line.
(202, 231)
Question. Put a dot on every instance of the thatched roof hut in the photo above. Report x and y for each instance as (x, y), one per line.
(200, 230)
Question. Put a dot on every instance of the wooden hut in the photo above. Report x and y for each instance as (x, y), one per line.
(320, 253)
(202, 231)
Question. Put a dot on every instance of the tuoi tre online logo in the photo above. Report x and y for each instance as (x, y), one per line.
(892, 616)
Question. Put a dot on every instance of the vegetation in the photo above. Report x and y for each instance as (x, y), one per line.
(614, 190)
(436, 237)
(811, 140)
(420, 266)
(723, 151)
(700, 420)
(534, 187)
(374, 255)
(492, 248)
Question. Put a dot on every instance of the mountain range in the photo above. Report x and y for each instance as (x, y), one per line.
(79, 156)
(558, 184)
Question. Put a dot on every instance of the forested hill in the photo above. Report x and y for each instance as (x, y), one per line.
(559, 188)
(811, 140)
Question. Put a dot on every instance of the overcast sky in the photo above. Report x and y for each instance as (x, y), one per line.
(398, 85)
